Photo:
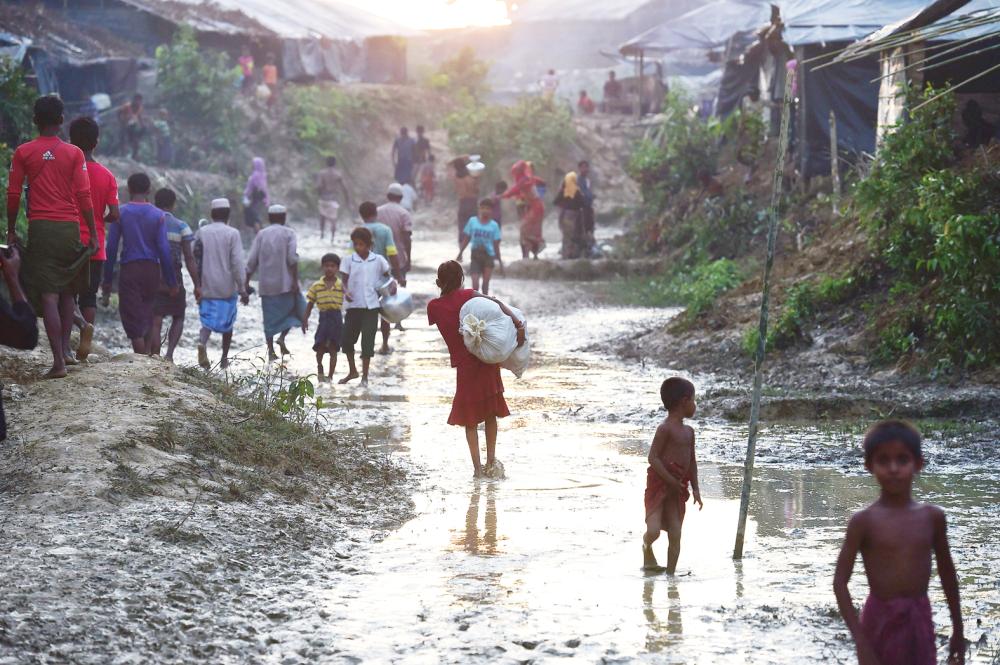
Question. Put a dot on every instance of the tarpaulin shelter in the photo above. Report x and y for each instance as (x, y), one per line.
(313, 39)
(810, 28)
(933, 46)
(58, 58)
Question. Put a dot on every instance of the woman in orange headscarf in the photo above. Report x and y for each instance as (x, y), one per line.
(530, 206)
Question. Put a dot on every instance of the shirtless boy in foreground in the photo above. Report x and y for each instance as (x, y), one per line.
(896, 536)
(672, 467)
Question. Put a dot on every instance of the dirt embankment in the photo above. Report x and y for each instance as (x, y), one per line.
(135, 489)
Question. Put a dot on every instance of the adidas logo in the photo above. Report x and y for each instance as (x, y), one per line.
(48, 156)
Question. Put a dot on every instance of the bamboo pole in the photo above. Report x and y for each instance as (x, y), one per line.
(834, 166)
(772, 234)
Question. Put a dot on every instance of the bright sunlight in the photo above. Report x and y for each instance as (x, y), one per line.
(438, 14)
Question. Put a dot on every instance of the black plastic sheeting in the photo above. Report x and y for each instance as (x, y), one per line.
(739, 77)
(851, 90)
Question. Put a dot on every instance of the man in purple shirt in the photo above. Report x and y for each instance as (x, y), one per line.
(145, 256)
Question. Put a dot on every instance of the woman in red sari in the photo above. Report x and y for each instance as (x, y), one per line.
(525, 191)
(478, 389)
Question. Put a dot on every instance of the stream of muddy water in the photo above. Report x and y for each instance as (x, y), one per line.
(545, 565)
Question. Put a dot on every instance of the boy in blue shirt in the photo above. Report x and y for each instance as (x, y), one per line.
(483, 233)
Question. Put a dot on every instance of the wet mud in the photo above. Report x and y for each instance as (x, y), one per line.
(543, 566)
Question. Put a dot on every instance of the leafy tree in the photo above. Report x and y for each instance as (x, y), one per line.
(463, 76)
(532, 129)
(199, 87)
(16, 101)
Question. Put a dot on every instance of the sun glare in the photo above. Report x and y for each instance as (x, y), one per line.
(438, 14)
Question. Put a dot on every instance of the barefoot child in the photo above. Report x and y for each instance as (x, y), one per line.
(478, 389)
(896, 536)
(672, 468)
(483, 233)
(327, 294)
(362, 273)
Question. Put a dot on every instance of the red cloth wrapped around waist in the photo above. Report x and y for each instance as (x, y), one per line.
(656, 488)
(900, 630)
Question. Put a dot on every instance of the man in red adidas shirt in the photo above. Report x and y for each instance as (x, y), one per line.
(55, 262)
(84, 134)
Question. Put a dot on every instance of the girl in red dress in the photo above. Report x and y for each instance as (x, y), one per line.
(479, 389)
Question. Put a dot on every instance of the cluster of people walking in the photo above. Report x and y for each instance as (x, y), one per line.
(574, 199)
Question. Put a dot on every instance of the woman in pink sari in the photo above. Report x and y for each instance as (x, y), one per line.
(530, 207)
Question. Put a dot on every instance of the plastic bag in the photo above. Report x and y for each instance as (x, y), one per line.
(489, 334)
(517, 362)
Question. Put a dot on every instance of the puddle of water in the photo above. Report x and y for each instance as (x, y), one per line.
(544, 566)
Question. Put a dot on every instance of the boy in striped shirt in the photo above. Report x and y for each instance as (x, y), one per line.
(327, 294)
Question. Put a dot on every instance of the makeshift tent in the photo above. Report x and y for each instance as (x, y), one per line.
(708, 27)
(59, 58)
(932, 47)
(312, 38)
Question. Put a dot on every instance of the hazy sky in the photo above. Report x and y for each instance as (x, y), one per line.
(426, 14)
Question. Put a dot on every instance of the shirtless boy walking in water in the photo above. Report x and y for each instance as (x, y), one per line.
(672, 469)
(896, 536)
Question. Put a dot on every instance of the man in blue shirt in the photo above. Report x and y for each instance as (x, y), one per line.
(483, 233)
(145, 256)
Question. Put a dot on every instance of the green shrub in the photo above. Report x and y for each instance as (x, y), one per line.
(686, 146)
(532, 129)
(16, 102)
(326, 119)
(463, 76)
(937, 227)
(695, 289)
(199, 87)
(798, 311)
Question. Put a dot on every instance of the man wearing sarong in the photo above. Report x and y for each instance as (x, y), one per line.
(330, 185)
(274, 254)
(55, 264)
(141, 232)
(84, 133)
(219, 252)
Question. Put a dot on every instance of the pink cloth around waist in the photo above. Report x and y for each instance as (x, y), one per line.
(900, 630)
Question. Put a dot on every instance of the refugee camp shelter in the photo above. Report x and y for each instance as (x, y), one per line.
(569, 36)
(58, 57)
(757, 56)
(947, 42)
(311, 39)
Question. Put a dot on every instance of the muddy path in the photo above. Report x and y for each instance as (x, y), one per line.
(544, 565)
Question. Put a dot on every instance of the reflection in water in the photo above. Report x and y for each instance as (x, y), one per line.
(660, 635)
(471, 541)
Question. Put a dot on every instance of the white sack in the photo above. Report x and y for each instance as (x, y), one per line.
(489, 334)
(518, 361)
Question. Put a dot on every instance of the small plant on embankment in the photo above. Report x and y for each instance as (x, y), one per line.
(267, 437)
(696, 290)
(935, 223)
(802, 303)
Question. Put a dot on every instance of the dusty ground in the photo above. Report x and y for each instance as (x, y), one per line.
(121, 547)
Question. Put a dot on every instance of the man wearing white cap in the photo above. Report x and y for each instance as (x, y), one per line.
(223, 277)
(274, 253)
